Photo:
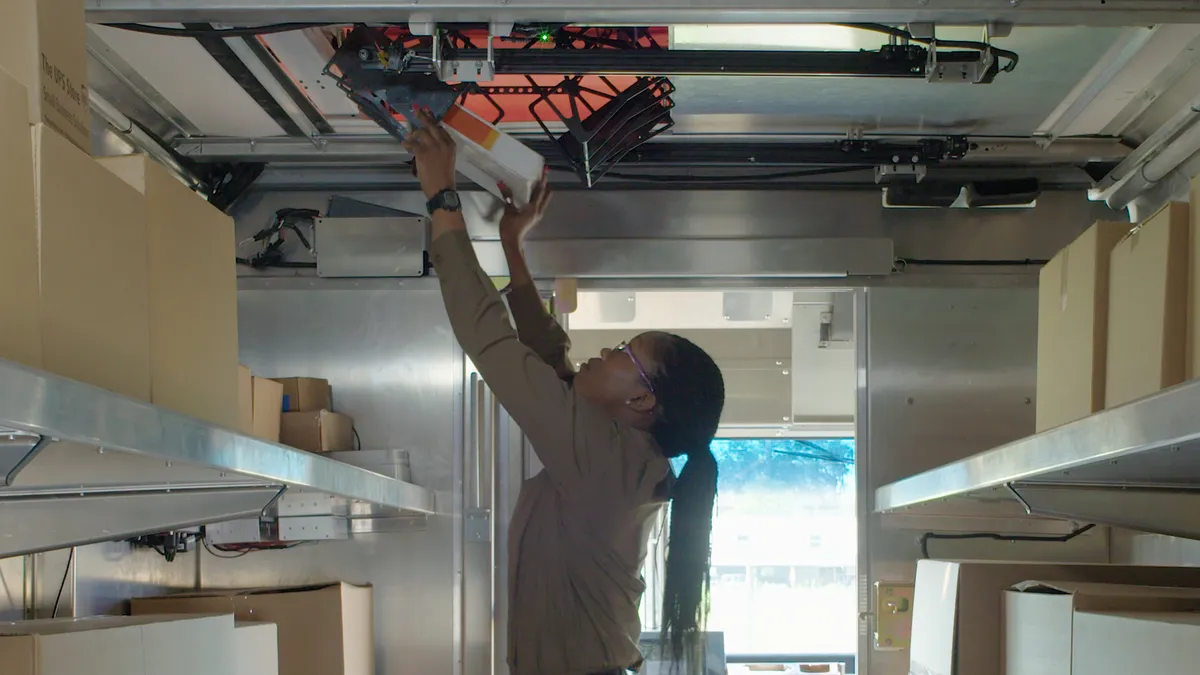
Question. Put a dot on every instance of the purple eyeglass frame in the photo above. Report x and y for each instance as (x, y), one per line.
(624, 347)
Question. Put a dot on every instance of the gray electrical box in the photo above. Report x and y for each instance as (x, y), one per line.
(371, 247)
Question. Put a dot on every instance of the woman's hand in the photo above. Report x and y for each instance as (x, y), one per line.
(433, 150)
(517, 222)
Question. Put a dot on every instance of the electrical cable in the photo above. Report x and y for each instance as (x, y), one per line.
(1048, 539)
(282, 264)
(247, 31)
(63, 584)
(208, 547)
(357, 438)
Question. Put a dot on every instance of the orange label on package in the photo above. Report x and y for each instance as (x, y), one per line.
(472, 127)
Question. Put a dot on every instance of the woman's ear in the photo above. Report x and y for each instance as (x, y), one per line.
(643, 403)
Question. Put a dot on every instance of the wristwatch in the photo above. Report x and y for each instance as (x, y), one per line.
(446, 200)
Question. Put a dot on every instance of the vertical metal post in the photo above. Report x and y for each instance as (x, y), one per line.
(862, 416)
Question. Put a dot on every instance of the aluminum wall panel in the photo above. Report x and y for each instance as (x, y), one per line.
(944, 373)
(642, 222)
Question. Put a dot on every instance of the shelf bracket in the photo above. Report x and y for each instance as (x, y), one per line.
(1158, 510)
(33, 521)
(16, 451)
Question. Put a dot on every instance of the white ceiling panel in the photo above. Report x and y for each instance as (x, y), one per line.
(184, 73)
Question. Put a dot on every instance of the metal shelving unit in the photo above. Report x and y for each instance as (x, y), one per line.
(1136, 466)
(80, 464)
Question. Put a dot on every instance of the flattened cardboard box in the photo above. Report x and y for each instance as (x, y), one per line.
(20, 297)
(1124, 643)
(255, 648)
(323, 630)
(1072, 349)
(958, 619)
(1039, 618)
(118, 645)
(43, 45)
(1147, 316)
(95, 274)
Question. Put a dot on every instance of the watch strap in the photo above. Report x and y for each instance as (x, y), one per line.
(442, 201)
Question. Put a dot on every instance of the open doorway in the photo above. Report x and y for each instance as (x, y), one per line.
(785, 536)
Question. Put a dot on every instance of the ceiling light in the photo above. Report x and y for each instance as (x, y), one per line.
(773, 37)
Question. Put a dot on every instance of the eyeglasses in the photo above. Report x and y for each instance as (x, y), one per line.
(624, 348)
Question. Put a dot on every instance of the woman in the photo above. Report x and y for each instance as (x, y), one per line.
(605, 436)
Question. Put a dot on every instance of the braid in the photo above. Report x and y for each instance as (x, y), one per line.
(691, 396)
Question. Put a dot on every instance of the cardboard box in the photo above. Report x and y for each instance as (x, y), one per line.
(193, 295)
(255, 648)
(490, 157)
(1147, 316)
(1193, 346)
(267, 397)
(1073, 327)
(1039, 618)
(20, 299)
(323, 630)
(118, 645)
(958, 621)
(245, 401)
(306, 394)
(317, 431)
(43, 44)
(260, 404)
(1121, 643)
(95, 273)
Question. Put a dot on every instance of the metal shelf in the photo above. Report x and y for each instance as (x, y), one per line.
(1135, 466)
(106, 457)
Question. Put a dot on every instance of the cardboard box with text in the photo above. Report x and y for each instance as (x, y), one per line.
(20, 296)
(43, 43)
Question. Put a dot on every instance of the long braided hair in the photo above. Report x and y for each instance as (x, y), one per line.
(691, 396)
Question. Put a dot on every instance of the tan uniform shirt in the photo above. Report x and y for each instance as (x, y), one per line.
(579, 532)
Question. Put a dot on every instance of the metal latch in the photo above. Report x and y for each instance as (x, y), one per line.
(893, 615)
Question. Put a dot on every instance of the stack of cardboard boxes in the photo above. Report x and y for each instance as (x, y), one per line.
(112, 273)
(998, 618)
(309, 422)
(1119, 315)
(323, 629)
(295, 411)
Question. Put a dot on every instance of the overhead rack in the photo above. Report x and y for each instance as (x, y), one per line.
(79, 464)
(1136, 466)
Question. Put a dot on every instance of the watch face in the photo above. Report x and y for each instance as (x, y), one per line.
(451, 201)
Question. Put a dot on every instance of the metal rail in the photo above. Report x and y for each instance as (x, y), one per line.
(641, 13)
(680, 150)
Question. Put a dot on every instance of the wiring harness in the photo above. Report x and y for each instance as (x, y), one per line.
(273, 237)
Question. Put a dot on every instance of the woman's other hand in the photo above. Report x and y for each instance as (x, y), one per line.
(433, 150)
(517, 222)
